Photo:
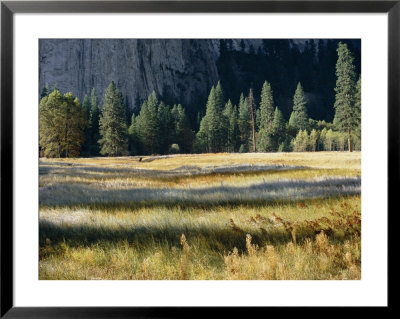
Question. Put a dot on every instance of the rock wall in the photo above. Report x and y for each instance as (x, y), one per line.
(180, 70)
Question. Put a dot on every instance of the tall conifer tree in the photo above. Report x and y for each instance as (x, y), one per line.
(88, 140)
(347, 115)
(230, 113)
(148, 124)
(244, 124)
(183, 134)
(357, 105)
(252, 110)
(265, 142)
(278, 130)
(211, 130)
(299, 118)
(112, 124)
(94, 123)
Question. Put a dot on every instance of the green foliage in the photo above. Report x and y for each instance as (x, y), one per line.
(278, 131)
(211, 134)
(322, 138)
(94, 128)
(243, 148)
(329, 143)
(347, 105)
(148, 125)
(45, 91)
(244, 123)
(135, 146)
(224, 127)
(86, 145)
(230, 114)
(86, 106)
(112, 124)
(182, 133)
(174, 149)
(301, 142)
(252, 110)
(330, 140)
(266, 107)
(299, 118)
(61, 125)
(258, 120)
(158, 126)
(313, 140)
(357, 105)
(266, 141)
(165, 128)
(286, 145)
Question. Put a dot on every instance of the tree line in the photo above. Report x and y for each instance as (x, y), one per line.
(69, 129)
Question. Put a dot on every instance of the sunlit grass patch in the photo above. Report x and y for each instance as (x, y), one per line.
(317, 159)
(209, 216)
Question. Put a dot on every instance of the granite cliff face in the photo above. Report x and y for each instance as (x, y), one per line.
(178, 70)
(183, 70)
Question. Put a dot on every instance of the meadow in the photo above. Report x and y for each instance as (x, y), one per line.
(206, 216)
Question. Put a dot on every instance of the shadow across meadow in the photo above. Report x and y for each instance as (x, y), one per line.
(220, 239)
(80, 194)
(82, 170)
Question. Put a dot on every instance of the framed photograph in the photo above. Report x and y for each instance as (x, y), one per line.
(158, 156)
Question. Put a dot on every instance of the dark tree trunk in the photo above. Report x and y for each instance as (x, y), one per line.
(350, 142)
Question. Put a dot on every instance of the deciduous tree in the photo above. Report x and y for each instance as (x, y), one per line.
(61, 125)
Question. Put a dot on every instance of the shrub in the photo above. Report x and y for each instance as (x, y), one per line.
(243, 149)
(174, 149)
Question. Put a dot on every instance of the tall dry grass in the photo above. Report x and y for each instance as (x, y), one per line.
(211, 216)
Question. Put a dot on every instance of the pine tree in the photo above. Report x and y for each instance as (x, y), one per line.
(94, 123)
(230, 113)
(211, 133)
(45, 91)
(357, 106)
(61, 125)
(299, 119)
(212, 116)
(135, 146)
(86, 106)
(252, 111)
(244, 124)
(112, 124)
(267, 106)
(265, 142)
(278, 133)
(183, 134)
(147, 122)
(221, 119)
(258, 120)
(165, 127)
(88, 140)
(202, 140)
(347, 115)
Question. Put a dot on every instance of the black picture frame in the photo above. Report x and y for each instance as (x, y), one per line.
(9, 8)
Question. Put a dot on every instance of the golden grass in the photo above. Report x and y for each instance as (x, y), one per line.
(315, 160)
(310, 238)
(121, 180)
